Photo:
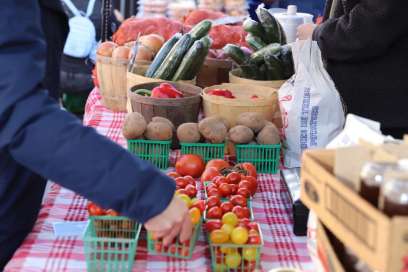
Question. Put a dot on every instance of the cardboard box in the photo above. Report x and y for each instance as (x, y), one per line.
(378, 240)
(328, 256)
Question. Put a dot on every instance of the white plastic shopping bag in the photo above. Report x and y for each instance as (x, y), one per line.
(311, 106)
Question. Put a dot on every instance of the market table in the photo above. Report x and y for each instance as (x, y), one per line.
(42, 251)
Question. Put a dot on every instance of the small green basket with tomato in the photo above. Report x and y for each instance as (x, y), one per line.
(157, 152)
(110, 243)
(206, 150)
(235, 247)
(266, 158)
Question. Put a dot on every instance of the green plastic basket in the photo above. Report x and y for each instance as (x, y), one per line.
(110, 243)
(220, 251)
(157, 152)
(206, 151)
(176, 250)
(266, 158)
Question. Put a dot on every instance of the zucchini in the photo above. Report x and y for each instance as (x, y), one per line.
(254, 28)
(201, 29)
(270, 24)
(143, 92)
(235, 53)
(274, 67)
(255, 42)
(282, 35)
(198, 63)
(190, 61)
(272, 49)
(287, 61)
(173, 60)
(162, 54)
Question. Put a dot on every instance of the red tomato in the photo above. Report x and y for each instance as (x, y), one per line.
(253, 226)
(214, 213)
(238, 200)
(213, 192)
(218, 163)
(209, 174)
(249, 168)
(181, 192)
(244, 222)
(211, 186)
(211, 225)
(95, 210)
(173, 175)
(253, 232)
(200, 204)
(253, 182)
(226, 207)
(191, 190)
(244, 192)
(181, 182)
(213, 201)
(158, 246)
(234, 177)
(190, 180)
(190, 165)
(239, 212)
(245, 184)
(246, 211)
(254, 240)
(172, 249)
(219, 180)
(111, 212)
(225, 189)
(234, 188)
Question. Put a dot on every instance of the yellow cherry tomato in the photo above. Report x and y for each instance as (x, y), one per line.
(230, 218)
(218, 237)
(195, 215)
(239, 235)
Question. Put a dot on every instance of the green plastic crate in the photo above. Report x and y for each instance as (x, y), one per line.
(219, 252)
(157, 152)
(110, 243)
(266, 158)
(206, 151)
(176, 250)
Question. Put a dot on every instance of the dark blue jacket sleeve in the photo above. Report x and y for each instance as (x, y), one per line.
(51, 142)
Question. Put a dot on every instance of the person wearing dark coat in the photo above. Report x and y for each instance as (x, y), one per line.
(364, 44)
(38, 140)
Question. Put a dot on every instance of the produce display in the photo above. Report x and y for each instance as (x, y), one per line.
(272, 58)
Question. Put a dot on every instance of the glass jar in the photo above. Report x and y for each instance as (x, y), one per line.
(395, 196)
(372, 177)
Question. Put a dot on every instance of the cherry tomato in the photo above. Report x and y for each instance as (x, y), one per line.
(249, 168)
(200, 204)
(234, 178)
(209, 174)
(249, 253)
(253, 232)
(218, 163)
(226, 206)
(233, 260)
(190, 180)
(195, 215)
(234, 188)
(172, 249)
(245, 184)
(238, 200)
(239, 211)
(246, 211)
(227, 228)
(213, 192)
(173, 175)
(191, 190)
(211, 225)
(111, 212)
(219, 180)
(230, 218)
(218, 236)
(181, 182)
(214, 213)
(190, 165)
(158, 246)
(243, 222)
(254, 240)
(95, 210)
(225, 189)
(213, 201)
(239, 235)
(253, 226)
(244, 192)
(181, 192)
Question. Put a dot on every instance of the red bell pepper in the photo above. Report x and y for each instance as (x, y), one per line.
(221, 92)
(166, 90)
(254, 96)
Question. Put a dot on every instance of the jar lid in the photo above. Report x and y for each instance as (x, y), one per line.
(396, 190)
(372, 173)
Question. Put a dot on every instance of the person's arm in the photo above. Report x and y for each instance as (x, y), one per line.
(52, 142)
(370, 29)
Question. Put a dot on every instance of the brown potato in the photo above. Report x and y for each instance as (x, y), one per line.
(188, 133)
(134, 126)
(241, 134)
(213, 130)
(269, 135)
(159, 119)
(253, 120)
(157, 131)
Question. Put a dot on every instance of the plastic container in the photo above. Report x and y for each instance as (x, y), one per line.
(110, 243)
(157, 152)
(176, 250)
(290, 21)
(266, 158)
(206, 151)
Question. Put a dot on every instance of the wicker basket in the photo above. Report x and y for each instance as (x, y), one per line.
(112, 82)
(230, 109)
(213, 72)
(235, 77)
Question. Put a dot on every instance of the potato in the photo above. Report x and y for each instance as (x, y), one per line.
(159, 119)
(188, 133)
(253, 120)
(158, 131)
(134, 126)
(223, 120)
(241, 134)
(213, 130)
(268, 135)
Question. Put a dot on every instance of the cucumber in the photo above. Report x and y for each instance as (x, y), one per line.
(255, 42)
(254, 28)
(287, 61)
(282, 35)
(201, 58)
(201, 29)
(143, 92)
(274, 67)
(272, 49)
(235, 53)
(173, 60)
(270, 24)
(162, 54)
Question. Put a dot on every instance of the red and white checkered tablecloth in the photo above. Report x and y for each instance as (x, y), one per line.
(42, 251)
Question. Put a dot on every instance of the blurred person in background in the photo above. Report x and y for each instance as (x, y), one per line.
(364, 44)
(39, 141)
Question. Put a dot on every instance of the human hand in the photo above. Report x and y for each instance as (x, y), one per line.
(305, 31)
(174, 220)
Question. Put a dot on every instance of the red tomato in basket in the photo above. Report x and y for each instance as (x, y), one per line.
(209, 174)
(214, 213)
(211, 225)
(190, 165)
(249, 168)
(238, 200)
(95, 210)
(217, 163)
(234, 178)
(244, 192)
(225, 189)
(213, 201)
(226, 206)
